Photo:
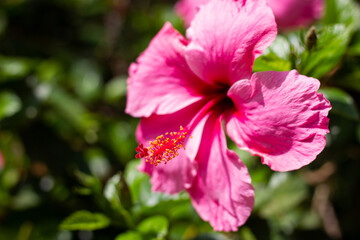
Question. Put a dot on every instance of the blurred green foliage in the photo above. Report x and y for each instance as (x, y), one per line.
(68, 146)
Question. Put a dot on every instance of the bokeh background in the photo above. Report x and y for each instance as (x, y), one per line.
(67, 168)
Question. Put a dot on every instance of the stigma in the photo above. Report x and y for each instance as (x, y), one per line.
(164, 148)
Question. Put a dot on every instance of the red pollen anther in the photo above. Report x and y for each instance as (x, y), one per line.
(141, 151)
(163, 148)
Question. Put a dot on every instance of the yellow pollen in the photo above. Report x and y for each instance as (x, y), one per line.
(165, 148)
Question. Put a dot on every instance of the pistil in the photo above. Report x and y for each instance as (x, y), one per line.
(166, 146)
(163, 148)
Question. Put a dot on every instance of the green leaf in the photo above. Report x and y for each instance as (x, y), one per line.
(119, 136)
(134, 178)
(331, 46)
(117, 192)
(9, 104)
(26, 199)
(144, 198)
(146, 202)
(342, 103)
(115, 89)
(49, 71)
(275, 58)
(246, 233)
(349, 81)
(354, 48)
(208, 235)
(129, 235)
(283, 193)
(155, 227)
(71, 110)
(341, 11)
(285, 221)
(84, 220)
(98, 163)
(14, 68)
(86, 79)
(89, 181)
(270, 62)
(310, 220)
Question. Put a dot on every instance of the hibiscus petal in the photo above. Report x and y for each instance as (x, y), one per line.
(295, 13)
(221, 192)
(178, 173)
(161, 82)
(188, 8)
(280, 117)
(226, 36)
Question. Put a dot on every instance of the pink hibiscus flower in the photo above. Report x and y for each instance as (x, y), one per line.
(288, 13)
(184, 90)
(296, 13)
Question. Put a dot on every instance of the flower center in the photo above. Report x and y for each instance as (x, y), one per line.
(219, 91)
(163, 148)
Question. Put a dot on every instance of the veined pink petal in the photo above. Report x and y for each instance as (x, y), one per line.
(161, 82)
(221, 192)
(294, 13)
(226, 36)
(288, 13)
(280, 117)
(178, 173)
(188, 8)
